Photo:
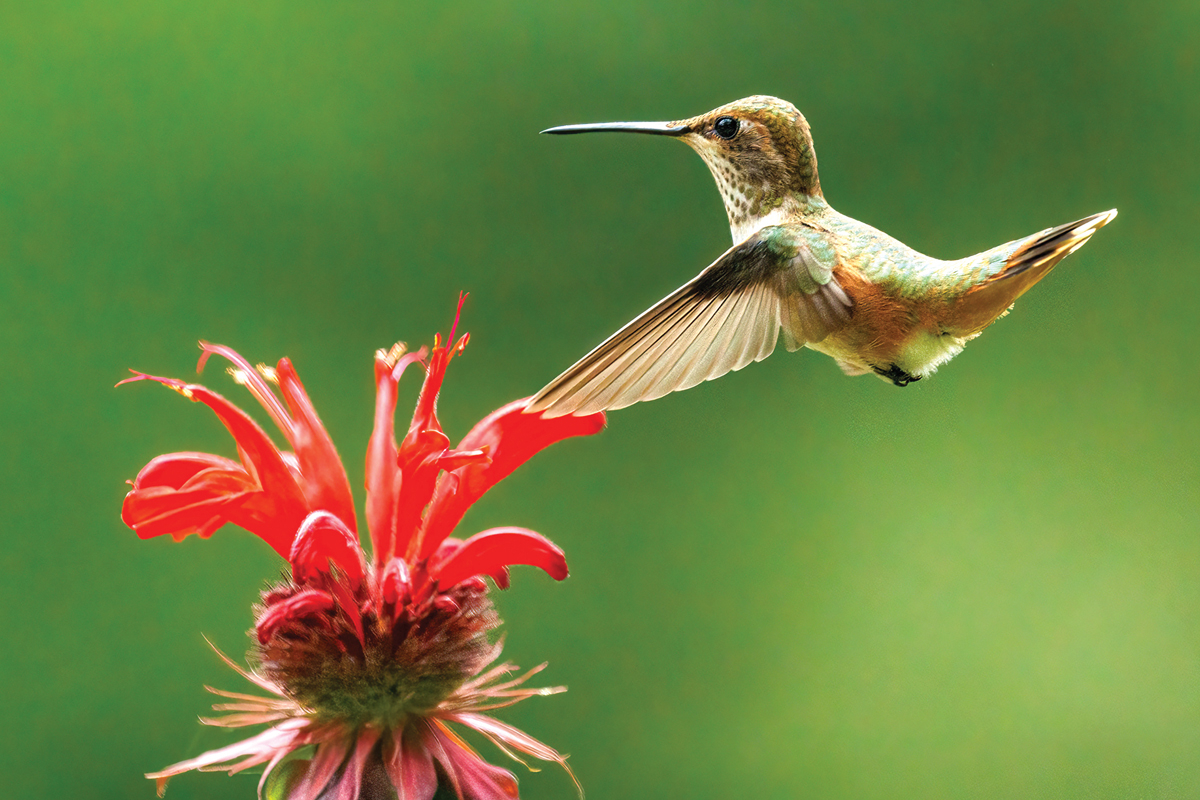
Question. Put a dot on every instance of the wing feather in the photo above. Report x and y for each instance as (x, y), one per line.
(725, 355)
(761, 321)
(657, 374)
(693, 366)
(601, 361)
(725, 318)
(640, 368)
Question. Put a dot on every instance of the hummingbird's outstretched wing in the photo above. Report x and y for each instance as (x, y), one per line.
(726, 317)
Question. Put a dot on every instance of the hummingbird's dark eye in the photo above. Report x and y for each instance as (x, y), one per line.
(726, 127)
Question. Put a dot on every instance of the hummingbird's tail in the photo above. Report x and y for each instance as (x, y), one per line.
(1028, 263)
(1047, 248)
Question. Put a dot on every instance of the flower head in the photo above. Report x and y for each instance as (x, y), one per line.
(367, 661)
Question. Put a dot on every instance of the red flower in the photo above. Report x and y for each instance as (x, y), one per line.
(367, 660)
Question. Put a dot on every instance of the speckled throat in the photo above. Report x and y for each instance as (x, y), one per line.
(751, 206)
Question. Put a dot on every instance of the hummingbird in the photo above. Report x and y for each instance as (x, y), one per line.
(827, 282)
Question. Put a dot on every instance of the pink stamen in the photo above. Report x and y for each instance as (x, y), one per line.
(254, 382)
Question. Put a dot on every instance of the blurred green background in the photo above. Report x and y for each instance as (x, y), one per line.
(785, 584)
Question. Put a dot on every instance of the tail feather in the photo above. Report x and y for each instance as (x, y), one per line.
(1027, 265)
(1054, 245)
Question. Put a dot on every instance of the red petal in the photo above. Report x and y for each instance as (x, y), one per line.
(274, 513)
(324, 765)
(419, 446)
(317, 466)
(395, 585)
(421, 485)
(323, 539)
(174, 469)
(425, 415)
(252, 380)
(382, 454)
(446, 549)
(511, 437)
(417, 487)
(202, 519)
(325, 482)
(483, 781)
(251, 439)
(500, 576)
(451, 460)
(298, 606)
(352, 773)
(446, 604)
(492, 550)
(475, 778)
(409, 766)
(204, 505)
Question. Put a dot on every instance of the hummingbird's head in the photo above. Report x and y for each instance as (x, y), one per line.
(756, 142)
(759, 150)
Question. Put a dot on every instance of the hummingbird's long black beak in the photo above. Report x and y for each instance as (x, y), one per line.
(659, 128)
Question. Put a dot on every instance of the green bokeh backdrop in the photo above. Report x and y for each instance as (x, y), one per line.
(785, 584)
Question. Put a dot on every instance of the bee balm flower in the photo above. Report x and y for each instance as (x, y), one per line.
(369, 661)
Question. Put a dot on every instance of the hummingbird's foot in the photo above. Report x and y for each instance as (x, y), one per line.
(897, 376)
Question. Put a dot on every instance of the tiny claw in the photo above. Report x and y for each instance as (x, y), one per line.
(896, 375)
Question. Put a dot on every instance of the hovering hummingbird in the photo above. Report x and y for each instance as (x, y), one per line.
(829, 282)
